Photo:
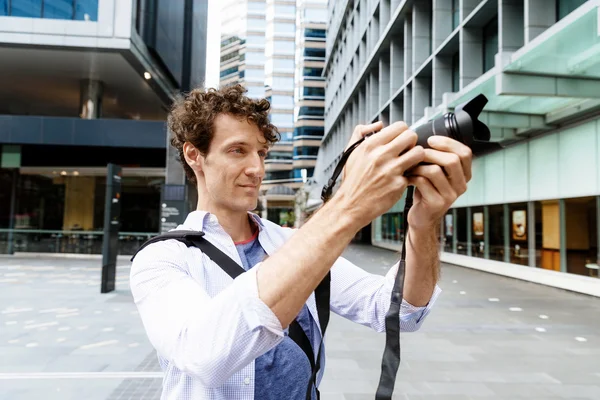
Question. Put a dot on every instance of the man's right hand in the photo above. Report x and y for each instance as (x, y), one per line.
(374, 173)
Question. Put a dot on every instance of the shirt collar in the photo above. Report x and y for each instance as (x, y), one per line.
(198, 220)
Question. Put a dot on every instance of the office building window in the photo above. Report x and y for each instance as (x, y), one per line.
(278, 175)
(314, 33)
(58, 9)
(308, 131)
(312, 111)
(490, 44)
(312, 71)
(306, 151)
(279, 155)
(3, 7)
(455, 72)
(84, 10)
(315, 53)
(257, 58)
(26, 8)
(566, 7)
(314, 91)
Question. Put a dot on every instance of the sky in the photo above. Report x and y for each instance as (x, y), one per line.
(213, 34)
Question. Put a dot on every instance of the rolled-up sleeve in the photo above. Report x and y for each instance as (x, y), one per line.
(365, 298)
(209, 338)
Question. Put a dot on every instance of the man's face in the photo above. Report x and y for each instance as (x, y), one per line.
(234, 167)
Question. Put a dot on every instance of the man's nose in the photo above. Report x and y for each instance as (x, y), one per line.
(256, 167)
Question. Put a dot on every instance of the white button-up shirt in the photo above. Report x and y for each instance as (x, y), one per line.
(208, 328)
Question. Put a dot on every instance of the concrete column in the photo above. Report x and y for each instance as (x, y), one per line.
(374, 94)
(562, 216)
(510, 25)
(539, 15)
(506, 232)
(90, 99)
(441, 80)
(397, 76)
(421, 32)
(384, 15)
(407, 106)
(420, 97)
(471, 58)
(384, 80)
(442, 21)
(469, 232)
(362, 105)
(408, 42)
(374, 31)
(531, 233)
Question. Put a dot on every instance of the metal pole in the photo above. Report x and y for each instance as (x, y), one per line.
(11, 218)
(531, 233)
(562, 215)
(506, 232)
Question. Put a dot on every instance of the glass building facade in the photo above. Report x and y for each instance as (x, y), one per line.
(83, 10)
(70, 106)
(535, 203)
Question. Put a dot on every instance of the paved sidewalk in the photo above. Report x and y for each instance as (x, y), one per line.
(488, 337)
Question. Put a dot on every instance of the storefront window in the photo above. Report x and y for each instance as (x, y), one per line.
(461, 231)
(519, 247)
(496, 232)
(582, 236)
(448, 233)
(477, 232)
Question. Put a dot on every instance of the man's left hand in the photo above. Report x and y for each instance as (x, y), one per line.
(439, 184)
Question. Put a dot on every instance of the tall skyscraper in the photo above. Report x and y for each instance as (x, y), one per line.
(276, 49)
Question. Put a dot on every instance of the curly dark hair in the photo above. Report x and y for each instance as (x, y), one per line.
(192, 118)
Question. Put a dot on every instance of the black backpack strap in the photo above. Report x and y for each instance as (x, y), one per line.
(233, 269)
(186, 237)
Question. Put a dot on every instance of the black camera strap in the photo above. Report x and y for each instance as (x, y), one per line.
(391, 355)
(233, 269)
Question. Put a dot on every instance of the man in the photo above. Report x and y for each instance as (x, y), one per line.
(223, 338)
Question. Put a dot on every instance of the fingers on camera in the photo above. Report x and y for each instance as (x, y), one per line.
(409, 159)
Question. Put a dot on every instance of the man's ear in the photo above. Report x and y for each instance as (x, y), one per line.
(193, 157)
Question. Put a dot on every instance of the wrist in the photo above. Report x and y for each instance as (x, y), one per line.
(341, 211)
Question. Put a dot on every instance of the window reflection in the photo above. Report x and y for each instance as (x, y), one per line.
(84, 10)
(58, 9)
(26, 8)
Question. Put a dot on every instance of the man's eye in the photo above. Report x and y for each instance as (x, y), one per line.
(237, 150)
(263, 154)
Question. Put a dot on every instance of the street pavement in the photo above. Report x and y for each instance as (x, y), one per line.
(488, 337)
